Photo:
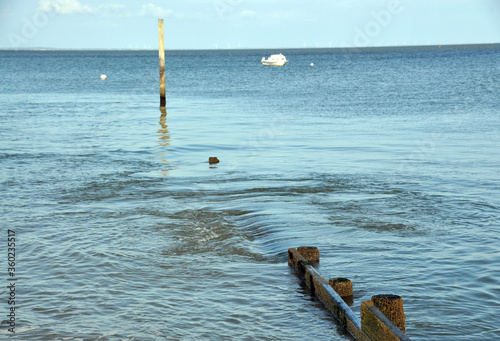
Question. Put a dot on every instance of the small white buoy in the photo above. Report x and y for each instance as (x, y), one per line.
(103, 76)
(312, 64)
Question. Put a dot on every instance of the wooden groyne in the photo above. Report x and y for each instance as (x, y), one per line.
(382, 318)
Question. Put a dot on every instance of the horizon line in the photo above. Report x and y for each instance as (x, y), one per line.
(241, 48)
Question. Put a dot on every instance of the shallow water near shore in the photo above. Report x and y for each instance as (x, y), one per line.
(387, 160)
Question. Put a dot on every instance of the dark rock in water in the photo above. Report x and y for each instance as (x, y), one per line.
(212, 160)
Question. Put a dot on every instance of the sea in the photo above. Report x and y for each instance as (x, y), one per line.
(385, 159)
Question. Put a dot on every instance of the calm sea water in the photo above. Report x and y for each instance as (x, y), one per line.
(387, 160)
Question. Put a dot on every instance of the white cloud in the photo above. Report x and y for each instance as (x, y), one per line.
(64, 7)
(247, 14)
(113, 10)
(4, 12)
(155, 11)
(288, 14)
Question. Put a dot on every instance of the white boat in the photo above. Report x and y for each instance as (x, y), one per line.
(274, 60)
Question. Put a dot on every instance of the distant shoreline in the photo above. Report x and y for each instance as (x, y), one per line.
(346, 49)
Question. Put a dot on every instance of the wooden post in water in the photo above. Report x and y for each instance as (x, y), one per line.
(392, 307)
(161, 53)
(310, 253)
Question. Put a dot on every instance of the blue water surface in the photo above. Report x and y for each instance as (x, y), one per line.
(385, 159)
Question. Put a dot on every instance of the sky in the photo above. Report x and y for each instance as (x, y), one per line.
(223, 24)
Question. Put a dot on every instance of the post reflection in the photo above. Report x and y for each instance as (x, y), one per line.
(164, 138)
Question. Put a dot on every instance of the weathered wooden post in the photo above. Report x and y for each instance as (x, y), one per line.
(392, 307)
(342, 286)
(310, 253)
(161, 53)
(383, 318)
